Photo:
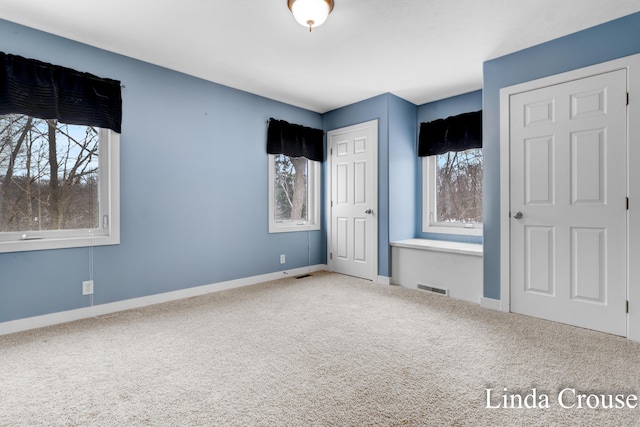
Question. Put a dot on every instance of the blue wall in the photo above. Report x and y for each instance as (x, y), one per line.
(602, 43)
(193, 189)
(442, 109)
(182, 140)
(403, 136)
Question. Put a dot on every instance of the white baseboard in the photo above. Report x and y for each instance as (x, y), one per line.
(384, 280)
(100, 310)
(493, 304)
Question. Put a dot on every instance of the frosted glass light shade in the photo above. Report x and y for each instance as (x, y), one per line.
(310, 13)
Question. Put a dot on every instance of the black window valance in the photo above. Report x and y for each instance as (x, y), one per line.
(47, 91)
(295, 140)
(455, 133)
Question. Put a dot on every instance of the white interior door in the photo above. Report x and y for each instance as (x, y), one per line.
(569, 202)
(353, 247)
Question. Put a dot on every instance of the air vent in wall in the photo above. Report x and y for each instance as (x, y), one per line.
(433, 289)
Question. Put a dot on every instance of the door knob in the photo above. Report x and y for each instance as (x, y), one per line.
(518, 215)
(368, 211)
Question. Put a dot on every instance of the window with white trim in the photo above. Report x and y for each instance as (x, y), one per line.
(294, 194)
(59, 184)
(452, 192)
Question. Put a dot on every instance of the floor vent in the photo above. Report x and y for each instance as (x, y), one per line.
(432, 289)
(303, 276)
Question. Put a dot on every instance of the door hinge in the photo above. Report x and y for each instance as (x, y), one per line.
(331, 149)
(627, 98)
(330, 255)
(627, 308)
(627, 203)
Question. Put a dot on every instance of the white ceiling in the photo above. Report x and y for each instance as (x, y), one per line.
(419, 50)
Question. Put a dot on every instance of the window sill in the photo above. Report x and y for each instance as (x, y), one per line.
(59, 243)
(474, 249)
(294, 228)
(460, 231)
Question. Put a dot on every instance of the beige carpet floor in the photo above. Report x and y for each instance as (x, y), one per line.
(326, 350)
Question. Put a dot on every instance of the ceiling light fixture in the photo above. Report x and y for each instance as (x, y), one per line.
(310, 13)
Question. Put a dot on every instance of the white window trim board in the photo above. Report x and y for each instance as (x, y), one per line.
(108, 234)
(428, 204)
(313, 189)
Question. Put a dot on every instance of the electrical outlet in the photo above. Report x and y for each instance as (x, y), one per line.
(87, 287)
(282, 259)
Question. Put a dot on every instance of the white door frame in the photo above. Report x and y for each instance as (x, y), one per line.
(374, 178)
(632, 64)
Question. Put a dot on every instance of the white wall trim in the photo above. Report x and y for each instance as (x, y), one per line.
(632, 64)
(103, 309)
(490, 303)
(384, 280)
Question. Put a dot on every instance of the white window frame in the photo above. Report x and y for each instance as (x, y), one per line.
(109, 195)
(313, 201)
(429, 198)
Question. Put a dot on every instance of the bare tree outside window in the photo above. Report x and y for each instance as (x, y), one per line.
(48, 175)
(459, 187)
(290, 188)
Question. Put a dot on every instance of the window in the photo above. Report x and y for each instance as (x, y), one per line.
(452, 192)
(59, 184)
(294, 192)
